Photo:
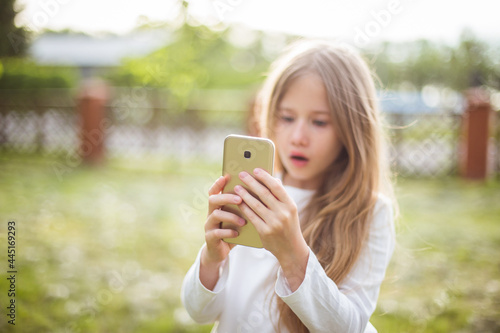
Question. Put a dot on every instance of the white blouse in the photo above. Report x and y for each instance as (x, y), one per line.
(244, 298)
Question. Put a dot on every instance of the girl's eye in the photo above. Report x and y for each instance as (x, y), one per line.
(320, 123)
(287, 119)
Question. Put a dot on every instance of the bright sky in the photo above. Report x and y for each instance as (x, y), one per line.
(354, 21)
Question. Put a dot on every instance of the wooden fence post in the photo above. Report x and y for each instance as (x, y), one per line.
(476, 134)
(92, 108)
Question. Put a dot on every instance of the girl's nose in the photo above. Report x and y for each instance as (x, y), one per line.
(300, 136)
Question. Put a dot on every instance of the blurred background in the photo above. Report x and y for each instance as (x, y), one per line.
(112, 119)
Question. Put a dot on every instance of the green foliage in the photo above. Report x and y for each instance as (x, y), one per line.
(22, 73)
(471, 63)
(474, 63)
(197, 58)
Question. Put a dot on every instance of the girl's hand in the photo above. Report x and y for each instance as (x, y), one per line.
(276, 219)
(217, 250)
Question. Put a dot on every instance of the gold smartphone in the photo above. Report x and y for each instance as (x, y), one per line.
(244, 153)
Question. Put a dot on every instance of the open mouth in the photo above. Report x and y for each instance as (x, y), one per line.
(299, 158)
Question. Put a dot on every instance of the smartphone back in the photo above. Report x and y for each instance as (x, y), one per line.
(244, 153)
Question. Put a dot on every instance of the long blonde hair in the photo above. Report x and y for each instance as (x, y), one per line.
(336, 222)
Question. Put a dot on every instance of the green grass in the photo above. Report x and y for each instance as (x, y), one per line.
(444, 276)
(105, 249)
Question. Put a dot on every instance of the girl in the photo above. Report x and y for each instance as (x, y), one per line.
(325, 222)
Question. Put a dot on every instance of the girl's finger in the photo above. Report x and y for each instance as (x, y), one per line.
(252, 216)
(215, 189)
(219, 216)
(258, 207)
(219, 200)
(273, 184)
(218, 186)
(260, 190)
(216, 201)
(216, 235)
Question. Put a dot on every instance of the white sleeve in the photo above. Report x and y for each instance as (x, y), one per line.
(324, 307)
(203, 305)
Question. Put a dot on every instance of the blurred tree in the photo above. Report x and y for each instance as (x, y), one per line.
(13, 39)
(425, 64)
(198, 57)
(471, 63)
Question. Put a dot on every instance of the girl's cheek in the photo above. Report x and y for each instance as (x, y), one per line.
(281, 132)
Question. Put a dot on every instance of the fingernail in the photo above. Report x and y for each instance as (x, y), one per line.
(256, 171)
(243, 174)
(238, 188)
(236, 199)
(242, 221)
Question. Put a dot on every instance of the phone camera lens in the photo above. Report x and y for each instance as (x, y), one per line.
(247, 154)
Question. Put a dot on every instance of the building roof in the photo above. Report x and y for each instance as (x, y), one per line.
(87, 51)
